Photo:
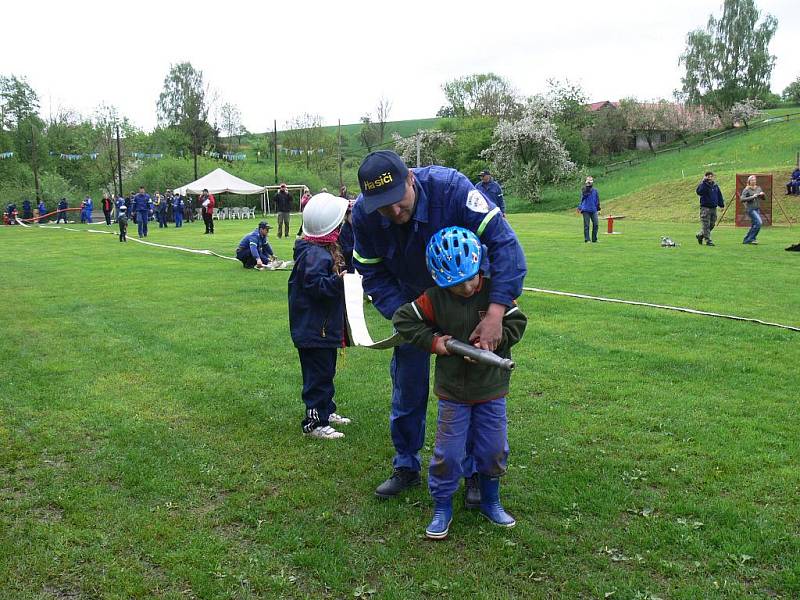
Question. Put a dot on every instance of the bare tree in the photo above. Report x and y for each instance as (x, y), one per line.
(382, 111)
(230, 121)
(305, 133)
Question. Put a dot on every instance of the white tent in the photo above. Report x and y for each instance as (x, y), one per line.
(220, 181)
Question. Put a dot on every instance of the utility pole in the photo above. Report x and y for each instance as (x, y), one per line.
(119, 164)
(339, 146)
(35, 164)
(275, 146)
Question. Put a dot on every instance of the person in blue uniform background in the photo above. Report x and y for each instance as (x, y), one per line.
(492, 190)
(255, 250)
(142, 206)
(397, 212)
(177, 210)
(42, 208)
(63, 205)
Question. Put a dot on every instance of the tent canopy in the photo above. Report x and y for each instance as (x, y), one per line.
(220, 181)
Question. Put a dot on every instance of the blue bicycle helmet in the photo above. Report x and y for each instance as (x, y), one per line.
(453, 256)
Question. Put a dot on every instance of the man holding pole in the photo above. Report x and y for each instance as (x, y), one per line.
(398, 211)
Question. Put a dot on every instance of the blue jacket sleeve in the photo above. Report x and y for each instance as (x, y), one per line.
(501, 200)
(506, 259)
(254, 250)
(720, 199)
(268, 249)
(379, 283)
(319, 281)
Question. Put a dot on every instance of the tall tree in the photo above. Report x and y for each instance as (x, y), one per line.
(183, 103)
(369, 133)
(730, 60)
(230, 122)
(103, 139)
(480, 95)
(18, 101)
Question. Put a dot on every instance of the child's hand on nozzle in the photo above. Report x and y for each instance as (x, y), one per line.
(439, 347)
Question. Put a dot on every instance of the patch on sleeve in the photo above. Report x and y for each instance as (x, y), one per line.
(476, 202)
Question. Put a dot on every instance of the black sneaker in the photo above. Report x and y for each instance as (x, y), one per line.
(699, 237)
(710, 243)
(472, 492)
(401, 480)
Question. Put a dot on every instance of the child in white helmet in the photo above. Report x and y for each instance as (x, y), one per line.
(316, 311)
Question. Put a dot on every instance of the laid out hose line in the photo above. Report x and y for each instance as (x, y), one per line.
(661, 306)
(278, 265)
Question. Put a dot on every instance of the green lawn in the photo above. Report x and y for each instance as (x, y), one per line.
(150, 445)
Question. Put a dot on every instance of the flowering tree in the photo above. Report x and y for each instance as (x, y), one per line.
(431, 142)
(527, 152)
(745, 111)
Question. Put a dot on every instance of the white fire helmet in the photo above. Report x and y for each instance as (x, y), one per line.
(323, 213)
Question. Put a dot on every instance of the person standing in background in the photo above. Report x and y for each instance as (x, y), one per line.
(589, 207)
(751, 197)
(283, 205)
(492, 190)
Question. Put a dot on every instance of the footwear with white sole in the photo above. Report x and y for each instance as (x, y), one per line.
(325, 433)
(338, 419)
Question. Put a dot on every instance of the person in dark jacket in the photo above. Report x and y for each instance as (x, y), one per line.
(472, 397)
(142, 207)
(710, 200)
(398, 211)
(589, 207)
(107, 205)
(42, 208)
(161, 210)
(177, 209)
(283, 206)
(347, 239)
(793, 186)
(62, 211)
(492, 190)
(254, 250)
(27, 209)
(316, 311)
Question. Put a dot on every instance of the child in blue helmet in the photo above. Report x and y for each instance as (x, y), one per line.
(472, 404)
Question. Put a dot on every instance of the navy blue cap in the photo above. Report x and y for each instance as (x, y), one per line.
(382, 178)
(485, 172)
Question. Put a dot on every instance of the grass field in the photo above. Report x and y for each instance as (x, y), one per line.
(150, 445)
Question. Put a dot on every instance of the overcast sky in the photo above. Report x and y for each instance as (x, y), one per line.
(277, 60)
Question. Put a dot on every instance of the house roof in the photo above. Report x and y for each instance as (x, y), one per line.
(595, 106)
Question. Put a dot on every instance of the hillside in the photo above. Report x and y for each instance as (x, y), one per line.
(663, 188)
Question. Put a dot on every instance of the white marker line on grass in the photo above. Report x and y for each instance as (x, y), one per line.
(662, 306)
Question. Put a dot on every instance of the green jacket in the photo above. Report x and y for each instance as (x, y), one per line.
(438, 311)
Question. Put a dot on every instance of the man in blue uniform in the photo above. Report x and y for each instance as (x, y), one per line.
(793, 187)
(42, 208)
(142, 206)
(177, 210)
(254, 250)
(492, 190)
(161, 210)
(27, 210)
(394, 217)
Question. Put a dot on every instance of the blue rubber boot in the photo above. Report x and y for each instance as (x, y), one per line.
(442, 517)
(490, 502)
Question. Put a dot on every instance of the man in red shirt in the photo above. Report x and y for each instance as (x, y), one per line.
(207, 202)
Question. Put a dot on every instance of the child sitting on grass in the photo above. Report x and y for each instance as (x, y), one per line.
(472, 404)
(316, 311)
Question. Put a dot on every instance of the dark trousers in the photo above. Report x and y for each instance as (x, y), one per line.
(141, 222)
(587, 217)
(318, 366)
(107, 215)
(62, 214)
(410, 370)
(209, 221)
(123, 232)
(162, 219)
(178, 219)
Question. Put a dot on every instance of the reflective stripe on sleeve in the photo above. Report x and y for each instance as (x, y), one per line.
(366, 261)
(486, 220)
